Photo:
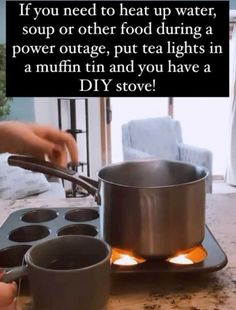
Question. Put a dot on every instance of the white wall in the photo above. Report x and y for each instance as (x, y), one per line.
(46, 111)
(95, 136)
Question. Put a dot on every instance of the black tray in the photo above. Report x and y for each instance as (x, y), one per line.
(216, 260)
(26, 227)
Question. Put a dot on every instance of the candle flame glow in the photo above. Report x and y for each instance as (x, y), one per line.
(125, 258)
(189, 257)
(181, 260)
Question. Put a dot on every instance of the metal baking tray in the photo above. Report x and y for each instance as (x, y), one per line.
(26, 227)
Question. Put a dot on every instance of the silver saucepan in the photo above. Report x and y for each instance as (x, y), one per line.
(152, 207)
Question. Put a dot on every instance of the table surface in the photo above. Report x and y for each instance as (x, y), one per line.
(211, 291)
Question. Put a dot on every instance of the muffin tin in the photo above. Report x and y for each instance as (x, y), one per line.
(26, 227)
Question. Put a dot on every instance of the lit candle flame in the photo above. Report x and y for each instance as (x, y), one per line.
(189, 257)
(125, 260)
(181, 260)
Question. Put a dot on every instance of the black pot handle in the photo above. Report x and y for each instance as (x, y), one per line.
(46, 167)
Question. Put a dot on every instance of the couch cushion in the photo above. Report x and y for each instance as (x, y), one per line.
(56, 191)
(18, 183)
(155, 136)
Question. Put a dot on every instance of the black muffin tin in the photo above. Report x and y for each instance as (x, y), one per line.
(26, 227)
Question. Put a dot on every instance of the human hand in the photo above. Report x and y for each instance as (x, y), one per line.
(39, 141)
(7, 295)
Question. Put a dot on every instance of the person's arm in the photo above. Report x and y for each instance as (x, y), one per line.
(37, 140)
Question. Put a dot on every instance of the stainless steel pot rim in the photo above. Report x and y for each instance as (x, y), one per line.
(150, 161)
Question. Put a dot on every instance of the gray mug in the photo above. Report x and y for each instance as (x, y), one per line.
(67, 272)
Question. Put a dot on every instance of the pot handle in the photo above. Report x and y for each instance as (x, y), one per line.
(14, 274)
(46, 167)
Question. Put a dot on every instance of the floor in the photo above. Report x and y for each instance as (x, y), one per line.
(222, 187)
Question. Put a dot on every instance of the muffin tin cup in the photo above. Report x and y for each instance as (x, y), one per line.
(29, 233)
(13, 256)
(82, 215)
(39, 216)
(78, 229)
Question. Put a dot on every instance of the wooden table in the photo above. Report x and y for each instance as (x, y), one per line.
(214, 291)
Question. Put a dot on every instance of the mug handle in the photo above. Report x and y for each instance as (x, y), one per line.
(14, 274)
